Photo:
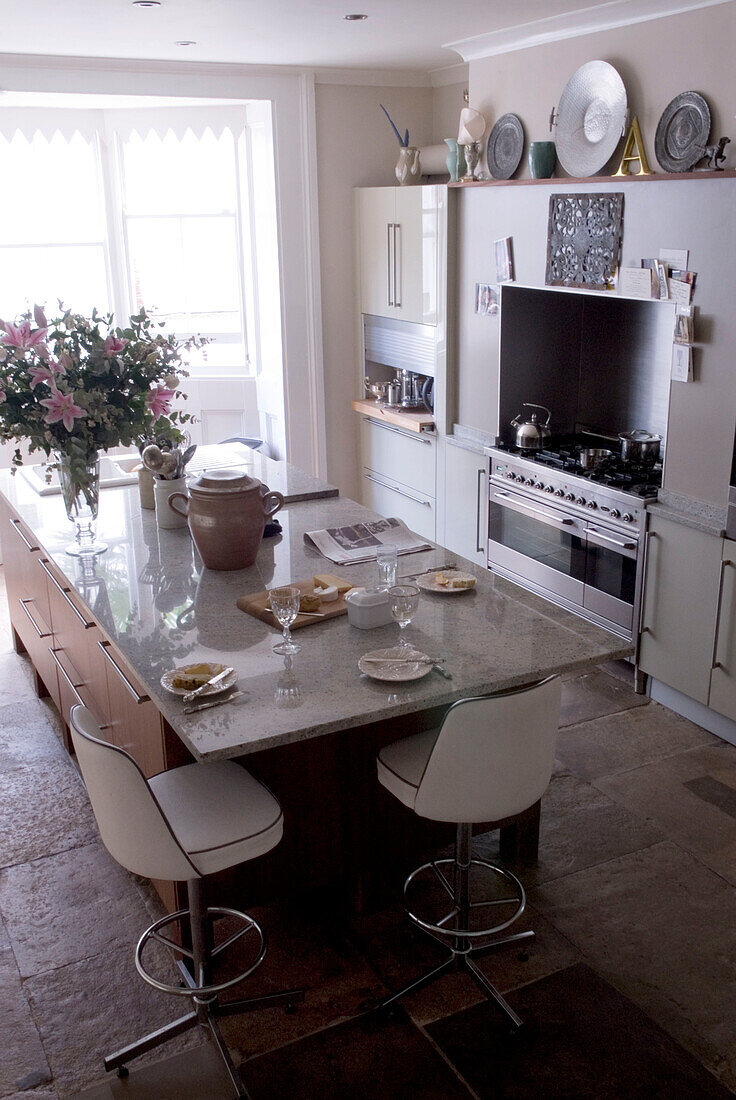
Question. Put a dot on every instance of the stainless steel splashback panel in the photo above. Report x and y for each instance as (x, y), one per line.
(596, 361)
(401, 344)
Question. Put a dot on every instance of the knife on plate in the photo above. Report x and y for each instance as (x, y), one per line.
(214, 703)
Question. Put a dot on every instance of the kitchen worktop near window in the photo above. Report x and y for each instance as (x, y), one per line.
(160, 607)
(470, 439)
(699, 514)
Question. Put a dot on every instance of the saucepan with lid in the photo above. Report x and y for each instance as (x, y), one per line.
(640, 447)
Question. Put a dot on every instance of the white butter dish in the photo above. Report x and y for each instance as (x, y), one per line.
(368, 608)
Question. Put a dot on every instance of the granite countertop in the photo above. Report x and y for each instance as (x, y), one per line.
(470, 439)
(699, 514)
(161, 608)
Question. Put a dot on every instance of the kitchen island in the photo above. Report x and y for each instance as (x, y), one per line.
(311, 729)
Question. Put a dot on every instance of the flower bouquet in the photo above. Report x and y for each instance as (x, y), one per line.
(74, 386)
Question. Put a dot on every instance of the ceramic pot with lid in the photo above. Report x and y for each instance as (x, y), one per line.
(227, 512)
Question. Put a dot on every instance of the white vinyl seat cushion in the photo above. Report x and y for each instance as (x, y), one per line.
(401, 765)
(219, 813)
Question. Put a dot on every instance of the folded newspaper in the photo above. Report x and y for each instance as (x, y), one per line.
(359, 541)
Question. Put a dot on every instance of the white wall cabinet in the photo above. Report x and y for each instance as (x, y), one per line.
(466, 504)
(398, 230)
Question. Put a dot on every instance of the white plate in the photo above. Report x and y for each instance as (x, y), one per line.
(428, 584)
(396, 673)
(167, 681)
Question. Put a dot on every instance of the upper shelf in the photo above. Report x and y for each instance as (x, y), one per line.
(409, 419)
(559, 181)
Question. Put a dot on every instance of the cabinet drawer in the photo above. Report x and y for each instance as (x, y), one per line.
(391, 498)
(407, 457)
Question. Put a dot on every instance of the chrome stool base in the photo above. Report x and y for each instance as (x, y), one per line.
(204, 994)
(454, 929)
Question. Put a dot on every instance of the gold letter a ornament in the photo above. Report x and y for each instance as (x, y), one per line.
(634, 150)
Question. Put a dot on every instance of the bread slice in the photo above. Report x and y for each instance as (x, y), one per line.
(193, 676)
(325, 580)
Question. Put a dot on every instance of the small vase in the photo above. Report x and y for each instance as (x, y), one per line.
(471, 155)
(145, 489)
(408, 169)
(79, 478)
(451, 159)
(542, 159)
(166, 517)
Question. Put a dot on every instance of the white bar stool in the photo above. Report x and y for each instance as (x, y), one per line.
(490, 759)
(183, 825)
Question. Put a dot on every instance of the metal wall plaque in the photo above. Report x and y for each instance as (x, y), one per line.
(584, 239)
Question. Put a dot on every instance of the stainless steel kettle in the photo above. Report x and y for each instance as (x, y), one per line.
(530, 434)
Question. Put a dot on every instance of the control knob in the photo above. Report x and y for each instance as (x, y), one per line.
(615, 514)
(580, 500)
(529, 481)
(549, 488)
(538, 484)
(627, 517)
(511, 475)
(559, 493)
(592, 504)
(569, 496)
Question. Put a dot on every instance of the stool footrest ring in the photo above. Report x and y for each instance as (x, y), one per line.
(195, 990)
(441, 929)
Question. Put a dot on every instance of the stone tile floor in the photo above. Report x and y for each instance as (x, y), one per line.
(636, 879)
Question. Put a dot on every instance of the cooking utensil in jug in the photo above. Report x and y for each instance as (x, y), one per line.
(530, 434)
(640, 447)
(377, 389)
(590, 457)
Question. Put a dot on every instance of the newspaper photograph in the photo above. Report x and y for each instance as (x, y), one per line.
(359, 542)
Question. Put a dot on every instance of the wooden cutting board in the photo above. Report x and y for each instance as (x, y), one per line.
(258, 606)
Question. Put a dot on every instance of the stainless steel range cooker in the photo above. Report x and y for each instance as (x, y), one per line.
(574, 536)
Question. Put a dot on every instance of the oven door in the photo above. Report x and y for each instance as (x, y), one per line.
(539, 544)
(611, 574)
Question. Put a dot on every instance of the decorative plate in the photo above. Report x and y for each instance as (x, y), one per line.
(682, 132)
(167, 681)
(391, 664)
(428, 583)
(505, 146)
(590, 118)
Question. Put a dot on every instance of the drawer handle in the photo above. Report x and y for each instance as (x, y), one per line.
(415, 437)
(34, 624)
(63, 591)
(394, 489)
(105, 647)
(19, 532)
(65, 674)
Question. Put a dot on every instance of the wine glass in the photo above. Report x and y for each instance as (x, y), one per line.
(285, 606)
(404, 603)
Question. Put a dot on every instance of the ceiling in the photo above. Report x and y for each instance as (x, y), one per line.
(398, 34)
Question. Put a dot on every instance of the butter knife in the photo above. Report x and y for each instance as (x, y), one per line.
(212, 682)
(428, 569)
(214, 703)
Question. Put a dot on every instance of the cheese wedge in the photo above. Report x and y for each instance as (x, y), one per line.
(327, 595)
(326, 580)
(462, 580)
(193, 676)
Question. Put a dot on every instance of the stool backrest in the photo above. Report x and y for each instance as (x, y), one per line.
(493, 756)
(132, 826)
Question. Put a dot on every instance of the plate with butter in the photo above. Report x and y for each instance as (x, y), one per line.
(447, 582)
(180, 681)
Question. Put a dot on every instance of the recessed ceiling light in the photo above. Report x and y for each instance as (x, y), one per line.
(355, 18)
(186, 42)
(146, 3)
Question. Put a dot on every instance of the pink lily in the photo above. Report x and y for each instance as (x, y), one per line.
(159, 401)
(3, 396)
(21, 336)
(113, 345)
(61, 407)
(39, 375)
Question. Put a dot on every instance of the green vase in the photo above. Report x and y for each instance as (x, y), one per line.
(542, 159)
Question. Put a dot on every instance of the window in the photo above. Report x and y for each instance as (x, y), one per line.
(147, 217)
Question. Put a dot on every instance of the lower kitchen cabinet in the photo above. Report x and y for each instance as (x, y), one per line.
(688, 637)
(466, 504)
(399, 474)
(391, 498)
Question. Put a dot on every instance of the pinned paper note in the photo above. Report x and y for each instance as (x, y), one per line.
(682, 363)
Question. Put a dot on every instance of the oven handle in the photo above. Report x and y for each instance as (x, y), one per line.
(507, 501)
(599, 537)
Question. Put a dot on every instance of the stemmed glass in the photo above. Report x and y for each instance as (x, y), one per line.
(404, 603)
(285, 606)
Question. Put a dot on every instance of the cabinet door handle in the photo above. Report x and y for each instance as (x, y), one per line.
(715, 663)
(389, 265)
(65, 674)
(105, 647)
(648, 536)
(394, 489)
(397, 265)
(414, 437)
(18, 530)
(41, 633)
(63, 591)
(480, 493)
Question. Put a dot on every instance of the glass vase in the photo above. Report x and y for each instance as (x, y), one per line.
(79, 477)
